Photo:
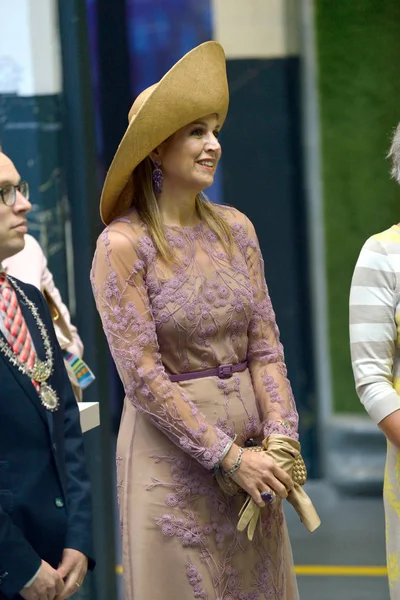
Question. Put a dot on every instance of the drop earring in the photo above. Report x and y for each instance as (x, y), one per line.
(158, 177)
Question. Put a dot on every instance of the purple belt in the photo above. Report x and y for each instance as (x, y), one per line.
(223, 372)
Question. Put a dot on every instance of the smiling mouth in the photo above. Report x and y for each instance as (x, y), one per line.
(209, 164)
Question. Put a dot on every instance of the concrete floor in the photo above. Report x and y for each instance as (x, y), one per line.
(351, 534)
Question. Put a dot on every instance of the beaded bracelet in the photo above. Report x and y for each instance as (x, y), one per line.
(236, 465)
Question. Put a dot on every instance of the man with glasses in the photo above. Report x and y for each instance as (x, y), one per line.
(45, 507)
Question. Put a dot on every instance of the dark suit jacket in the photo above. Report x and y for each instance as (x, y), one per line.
(45, 501)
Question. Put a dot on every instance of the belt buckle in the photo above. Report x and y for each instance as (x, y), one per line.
(225, 371)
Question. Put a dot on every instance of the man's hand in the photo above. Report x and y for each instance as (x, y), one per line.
(72, 570)
(47, 585)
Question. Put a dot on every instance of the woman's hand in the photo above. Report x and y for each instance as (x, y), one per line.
(257, 473)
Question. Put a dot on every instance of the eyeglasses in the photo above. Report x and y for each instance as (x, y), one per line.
(8, 193)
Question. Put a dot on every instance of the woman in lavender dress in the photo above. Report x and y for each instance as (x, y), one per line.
(179, 285)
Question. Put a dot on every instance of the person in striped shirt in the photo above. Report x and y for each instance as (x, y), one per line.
(375, 355)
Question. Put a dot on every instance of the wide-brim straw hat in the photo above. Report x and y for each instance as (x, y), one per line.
(195, 87)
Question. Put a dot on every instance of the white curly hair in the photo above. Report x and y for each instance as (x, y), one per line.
(394, 154)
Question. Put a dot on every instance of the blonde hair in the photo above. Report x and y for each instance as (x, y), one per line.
(394, 154)
(145, 202)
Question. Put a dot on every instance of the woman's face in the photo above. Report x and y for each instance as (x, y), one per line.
(189, 158)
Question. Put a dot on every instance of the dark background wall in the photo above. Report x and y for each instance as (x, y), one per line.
(262, 176)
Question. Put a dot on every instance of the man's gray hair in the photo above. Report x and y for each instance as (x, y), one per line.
(394, 155)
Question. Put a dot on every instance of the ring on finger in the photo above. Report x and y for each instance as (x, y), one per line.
(268, 496)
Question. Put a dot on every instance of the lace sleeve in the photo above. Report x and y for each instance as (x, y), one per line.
(122, 300)
(265, 353)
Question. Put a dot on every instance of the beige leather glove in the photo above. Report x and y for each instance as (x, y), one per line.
(281, 448)
(284, 451)
(249, 516)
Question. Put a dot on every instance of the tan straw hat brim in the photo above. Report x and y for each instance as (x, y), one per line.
(195, 87)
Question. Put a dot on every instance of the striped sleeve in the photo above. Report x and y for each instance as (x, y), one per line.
(373, 330)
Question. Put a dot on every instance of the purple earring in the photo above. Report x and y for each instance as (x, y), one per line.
(158, 177)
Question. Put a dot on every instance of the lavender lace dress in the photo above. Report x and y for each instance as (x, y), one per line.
(179, 531)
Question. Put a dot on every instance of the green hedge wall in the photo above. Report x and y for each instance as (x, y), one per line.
(358, 48)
